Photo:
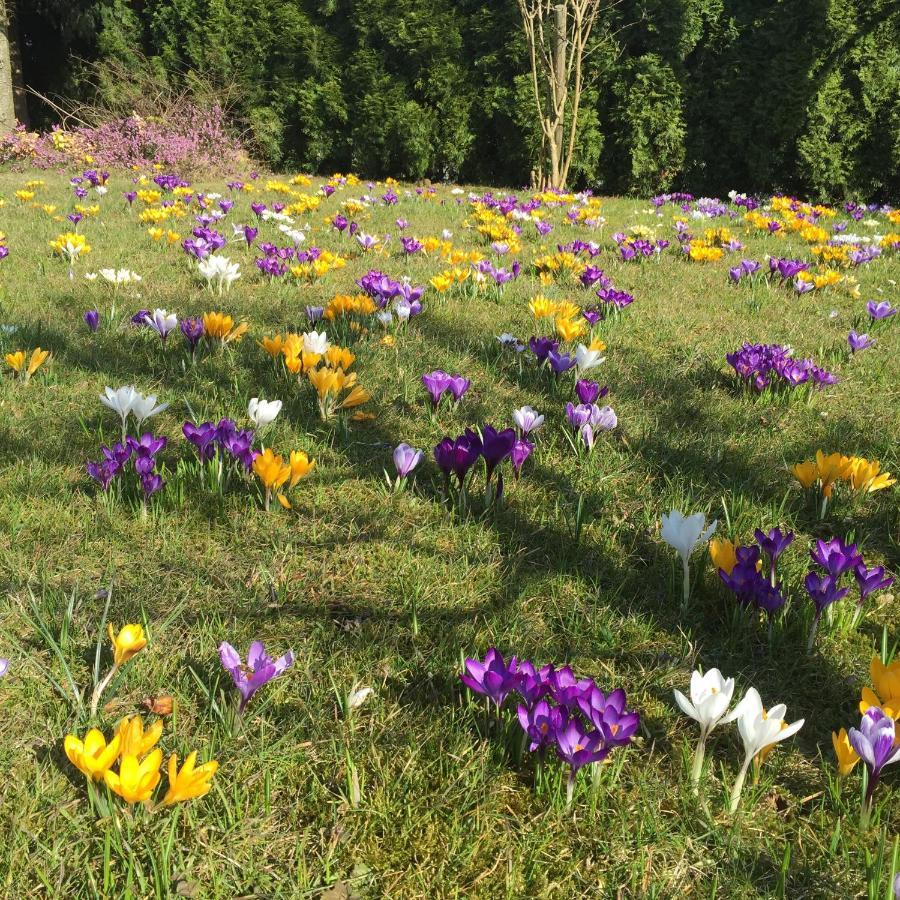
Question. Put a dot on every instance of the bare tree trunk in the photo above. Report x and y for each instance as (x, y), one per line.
(12, 93)
(560, 89)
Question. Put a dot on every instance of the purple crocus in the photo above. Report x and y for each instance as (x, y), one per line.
(823, 590)
(870, 580)
(541, 722)
(250, 234)
(436, 383)
(879, 311)
(493, 678)
(874, 742)
(835, 557)
(541, 347)
(92, 320)
(151, 483)
(589, 391)
(406, 459)
(560, 362)
(859, 342)
(578, 747)
(496, 446)
(259, 670)
(203, 437)
(522, 449)
(103, 472)
(192, 329)
(458, 386)
(773, 543)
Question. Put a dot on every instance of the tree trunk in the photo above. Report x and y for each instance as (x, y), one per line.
(13, 107)
(560, 89)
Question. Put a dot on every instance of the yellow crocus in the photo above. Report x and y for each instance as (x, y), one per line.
(570, 329)
(127, 643)
(93, 756)
(847, 757)
(806, 473)
(271, 470)
(191, 781)
(722, 553)
(136, 780)
(273, 345)
(301, 465)
(541, 307)
(356, 397)
(38, 358)
(326, 381)
(16, 361)
(598, 345)
(134, 740)
(831, 468)
(339, 357)
(442, 282)
(866, 476)
(221, 326)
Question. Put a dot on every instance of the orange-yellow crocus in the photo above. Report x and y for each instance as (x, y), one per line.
(136, 780)
(886, 684)
(847, 757)
(831, 468)
(569, 329)
(273, 345)
(38, 358)
(191, 781)
(134, 740)
(271, 470)
(93, 756)
(16, 361)
(127, 643)
(541, 307)
(339, 357)
(866, 476)
(356, 397)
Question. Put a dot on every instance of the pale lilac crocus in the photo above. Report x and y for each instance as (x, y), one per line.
(259, 670)
(406, 459)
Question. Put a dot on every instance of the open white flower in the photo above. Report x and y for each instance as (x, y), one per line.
(120, 401)
(263, 412)
(219, 269)
(120, 276)
(685, 533)
(315, 342)
(144, 407)
(710, 698)
(760, 730)
(586, 359)
(162, 322)
(527, 419)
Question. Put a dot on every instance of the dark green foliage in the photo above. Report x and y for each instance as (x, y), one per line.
(707, 95)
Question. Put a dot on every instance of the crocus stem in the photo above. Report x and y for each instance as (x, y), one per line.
(865, 812)
(570, 788)
(100, 688)
(686, 587)
(739, 786)
(697, 769)
(812, 634)
(268, 499)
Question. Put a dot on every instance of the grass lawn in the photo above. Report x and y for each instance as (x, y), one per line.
(418, 793)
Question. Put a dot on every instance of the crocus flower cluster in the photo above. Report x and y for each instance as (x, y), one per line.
(862, 476)
(771, 365)
(741, 568)
(760, 729)
(438, 383)
(222, 440)
(836, 559)
(457, 456)
(587, 419)
(558, 712)
(747, 268)
(141, 452)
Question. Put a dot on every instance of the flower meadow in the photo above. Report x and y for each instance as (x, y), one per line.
(370, 539)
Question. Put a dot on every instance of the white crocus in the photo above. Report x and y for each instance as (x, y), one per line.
(162, 322)
(759, 730)
(144, 407)
(710, 698)
(220, 269)
(527, 419)
(315, 342)
(120, 401)
(685, 534)
(120, 276)
(263, 412)
(358, 696)
(586, 358)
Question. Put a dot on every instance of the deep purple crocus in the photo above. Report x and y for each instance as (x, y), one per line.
(578, 747)
(589, 391)
(259, 670)
(541, 347)
(823, 590)
(458, 386)
(203, 437)
(496, 446)
(492, 678)
(192, 329)
(92, 320)
(560, 362)
(151, 483)
(870, 580)
(773, 543)
(608, 715)
(103, 472)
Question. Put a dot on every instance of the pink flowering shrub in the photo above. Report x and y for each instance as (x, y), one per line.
(190, 139)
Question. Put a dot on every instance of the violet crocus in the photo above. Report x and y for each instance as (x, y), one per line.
(835, 556)
(150, 484)
(495, 447)
(823, 590)
(859, 342)
(870, 580)
(578, 747)
(458, 386)
(406, 459)
(560, 362)
(874, 742)
(589, 391)
(493, 678)
(250, 234)
(437, 383)
(103, 472)
(522, 449)
(880, 310)
(192, 329)
(541, 722)
(203, 437)
(92, 320)
(773, 544)
(259, 670)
